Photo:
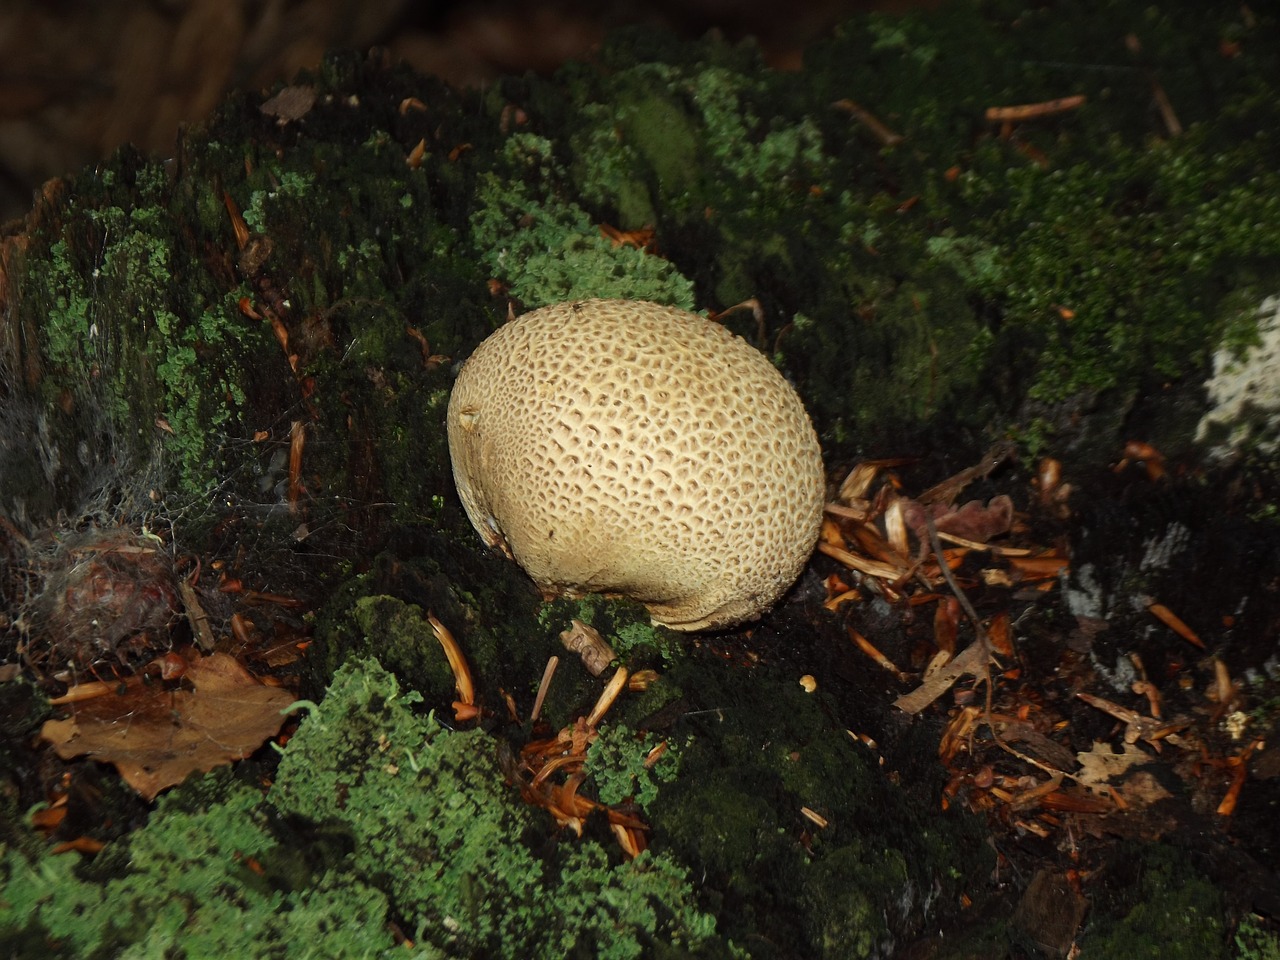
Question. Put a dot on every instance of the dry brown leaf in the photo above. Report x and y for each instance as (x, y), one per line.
(291, 103)
(1144, 789)
(1101, 766)
(156, 736)
(974, 521)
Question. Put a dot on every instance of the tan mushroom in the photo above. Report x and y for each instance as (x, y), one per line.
(627, 448)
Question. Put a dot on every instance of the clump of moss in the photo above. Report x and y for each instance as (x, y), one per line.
(213, 880)
(844, 906)
(619, 767)
(1253, 941)
(1167, 910)
(1084, 257)
(545, 247)
(764, 752)
(682, 141)
(1090, 255)
(425, 810)
(754, 193)
(1121, 277)
(487, 604)
(624, 624)
(404, 821)
(428, 813)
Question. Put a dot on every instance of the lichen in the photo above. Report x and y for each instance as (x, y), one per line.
(619, 767)
(1243, 393)
(406, 822)
(544, 246)
(1253, 941)
(1169, 910)
(428, 811)
(193, 883)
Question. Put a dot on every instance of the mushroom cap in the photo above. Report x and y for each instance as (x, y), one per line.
(628, 448)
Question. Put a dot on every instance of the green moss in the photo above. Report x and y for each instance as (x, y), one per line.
(697, 148)
(1172, 912)
(1098, 276)
(608, 912)
(728, 827)
(1255, 942)
(545, 247)
(429, 813)
(616, 765)
(845, 910)
(763, 749)
(624, 624)
(1089, 277)
(403, 820)
(486, 602)
(1121, 273)
(399, 635)
(192, 883)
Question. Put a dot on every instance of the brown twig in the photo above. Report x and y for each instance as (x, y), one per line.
(869, 120)
(548, 672)
(1031, 111)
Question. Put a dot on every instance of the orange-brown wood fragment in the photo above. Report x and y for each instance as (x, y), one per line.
(1031, 111)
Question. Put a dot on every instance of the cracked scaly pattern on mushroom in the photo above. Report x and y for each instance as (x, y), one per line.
(629, 448)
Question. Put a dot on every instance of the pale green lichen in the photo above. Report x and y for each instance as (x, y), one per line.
(546, 248)
(1244, 392)
(192, 883)
(154, 354)
(430, 812)
(289, 185)
(619, 768)
(1253, 941)
(406, 821)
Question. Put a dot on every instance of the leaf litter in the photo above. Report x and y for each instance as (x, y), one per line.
(157, 737)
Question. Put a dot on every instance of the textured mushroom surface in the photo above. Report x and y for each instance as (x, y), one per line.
(624, 447)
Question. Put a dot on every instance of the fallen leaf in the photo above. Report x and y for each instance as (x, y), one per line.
(156, 735)
(291, 103)
(974, 520)
(1101, 766)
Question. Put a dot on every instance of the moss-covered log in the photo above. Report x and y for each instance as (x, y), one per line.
(249, 346)
(934, 274)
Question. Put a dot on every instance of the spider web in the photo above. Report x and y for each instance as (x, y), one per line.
(79, 467)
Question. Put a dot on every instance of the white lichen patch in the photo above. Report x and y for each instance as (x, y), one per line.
(1244, 393)
(1159, 552)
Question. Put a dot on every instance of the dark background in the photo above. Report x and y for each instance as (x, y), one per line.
(80, 78)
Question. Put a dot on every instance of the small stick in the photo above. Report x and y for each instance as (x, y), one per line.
(606, 699)
(297, 440)
(457, 662)
(1030, 111)
(83, 691)
(548, 672)
(869, 120)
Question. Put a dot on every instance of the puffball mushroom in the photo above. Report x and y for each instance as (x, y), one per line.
(628, 448)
